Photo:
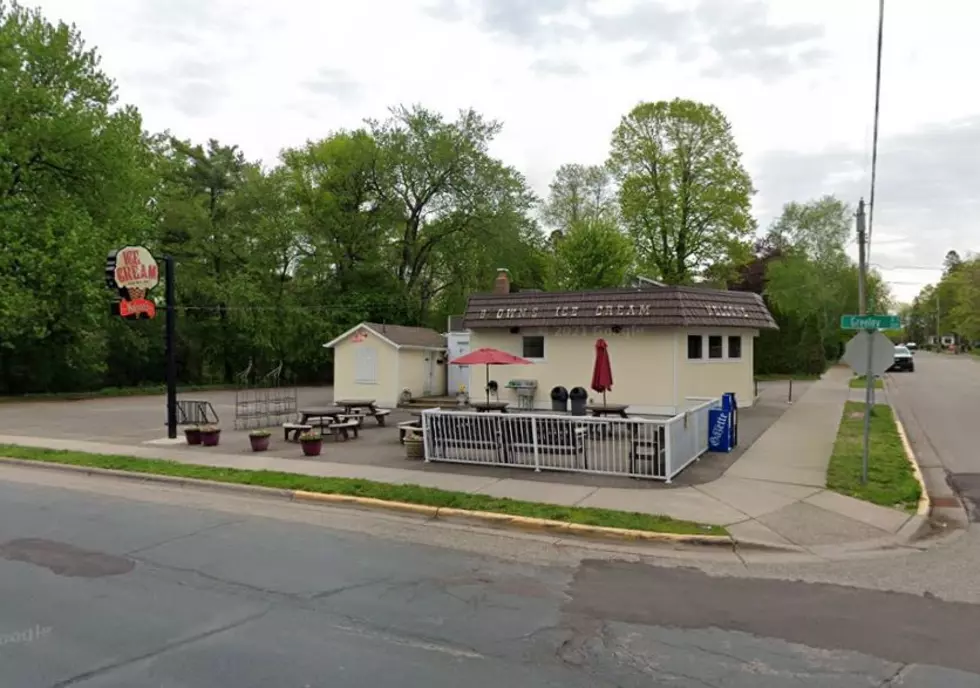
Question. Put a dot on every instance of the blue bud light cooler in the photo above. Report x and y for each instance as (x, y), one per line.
(723, 425)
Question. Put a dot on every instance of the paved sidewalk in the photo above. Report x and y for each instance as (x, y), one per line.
(773, 494)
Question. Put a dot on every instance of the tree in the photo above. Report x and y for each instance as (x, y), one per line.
(74, 183)
(579, 193)
(684, 195)
(593, 254)
(951, 262)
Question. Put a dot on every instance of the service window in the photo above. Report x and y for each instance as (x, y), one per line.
(715, 346)
(735, 347)
(694, 346)
(366, 366)
(533, 347)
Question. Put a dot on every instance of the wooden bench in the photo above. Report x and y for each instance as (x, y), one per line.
(344, 427)
(296, 429)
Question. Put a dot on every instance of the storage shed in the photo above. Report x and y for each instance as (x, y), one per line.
(378, 361)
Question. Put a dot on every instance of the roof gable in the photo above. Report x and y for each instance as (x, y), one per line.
(398, 336)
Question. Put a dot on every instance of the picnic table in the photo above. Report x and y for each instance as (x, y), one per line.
(331, 412)
(364, 407)
(485, 406)
(609, 410)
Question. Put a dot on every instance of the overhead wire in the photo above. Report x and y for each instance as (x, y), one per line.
(874, 136)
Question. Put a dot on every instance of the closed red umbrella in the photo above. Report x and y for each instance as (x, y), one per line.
(602, 379)
(489, 357)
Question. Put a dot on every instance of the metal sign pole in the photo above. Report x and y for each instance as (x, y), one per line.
(869, 379)
(171, 327)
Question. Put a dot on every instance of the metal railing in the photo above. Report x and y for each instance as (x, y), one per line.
(656, 448)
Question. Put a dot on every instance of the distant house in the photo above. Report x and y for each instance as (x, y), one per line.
(666, 343)
(378, 361)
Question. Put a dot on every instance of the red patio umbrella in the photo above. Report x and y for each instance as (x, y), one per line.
(489, 357)
(602, 380)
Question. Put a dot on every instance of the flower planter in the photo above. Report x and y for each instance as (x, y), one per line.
(210, 438)
(414, 448)
(193, 435)
(312, 447)
(259, 443)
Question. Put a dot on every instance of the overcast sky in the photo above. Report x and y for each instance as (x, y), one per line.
(795, 77)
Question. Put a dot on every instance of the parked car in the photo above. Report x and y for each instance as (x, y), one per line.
(903, 360)
(912, 346)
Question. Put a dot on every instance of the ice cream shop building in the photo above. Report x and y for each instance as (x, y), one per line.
(666, 344)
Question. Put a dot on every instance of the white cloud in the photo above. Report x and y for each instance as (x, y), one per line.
(795, 78)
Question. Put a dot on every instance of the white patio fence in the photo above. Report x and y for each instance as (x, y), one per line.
(640, 447)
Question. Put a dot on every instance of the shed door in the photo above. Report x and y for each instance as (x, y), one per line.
(366, 366)
(428, 386)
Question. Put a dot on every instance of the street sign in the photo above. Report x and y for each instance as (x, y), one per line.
(870, 322)
(882, 353)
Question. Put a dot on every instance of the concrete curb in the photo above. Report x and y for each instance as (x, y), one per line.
(536, 525)
(925, 504)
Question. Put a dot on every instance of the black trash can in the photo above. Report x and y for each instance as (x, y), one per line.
(580, 399)
(559, 399)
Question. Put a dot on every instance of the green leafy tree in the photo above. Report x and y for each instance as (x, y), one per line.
(593, 254)
(684, 195)
(580, 193)
(73, 185)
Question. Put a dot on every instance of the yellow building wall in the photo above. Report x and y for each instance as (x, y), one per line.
(413, 365)
(642, 366)
(385, 390)
(712, 378)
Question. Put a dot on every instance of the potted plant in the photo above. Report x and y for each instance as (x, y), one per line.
(312, 443)
(414, 446)
(259, 439)
(193, 434)
(210, 434)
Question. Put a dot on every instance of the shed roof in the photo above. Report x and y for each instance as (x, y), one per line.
(398, 336)
(669, 306)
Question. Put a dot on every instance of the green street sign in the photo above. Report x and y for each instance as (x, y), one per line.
(870, 322)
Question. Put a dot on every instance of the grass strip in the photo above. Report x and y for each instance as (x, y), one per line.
(860, 382)
(110, 392)
(891, 480)
(412, 494)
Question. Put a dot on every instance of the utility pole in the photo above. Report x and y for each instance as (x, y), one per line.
(171, 346)
(939, 336)
(869, 390)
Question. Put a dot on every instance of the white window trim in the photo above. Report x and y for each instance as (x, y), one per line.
(544, 344)
(705, 359)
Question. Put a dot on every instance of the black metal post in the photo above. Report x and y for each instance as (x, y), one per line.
(791, 390)
(171, 327)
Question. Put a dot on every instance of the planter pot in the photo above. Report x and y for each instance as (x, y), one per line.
(312, 447)
(259, 444)
(193, 436)
(210, 439)
(414, 448)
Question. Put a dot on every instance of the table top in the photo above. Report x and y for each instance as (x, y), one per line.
(609, 408)
(489, 404)
(354, 403)
(321, 411)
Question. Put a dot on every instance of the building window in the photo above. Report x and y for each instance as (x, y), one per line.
(694, 346)
(734, 347)
(533, 347)
(715, 349)
(366, 366)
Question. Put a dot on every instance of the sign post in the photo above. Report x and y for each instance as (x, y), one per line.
(869, 353)
(132, 272)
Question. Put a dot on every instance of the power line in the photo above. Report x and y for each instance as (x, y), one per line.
(874, 138)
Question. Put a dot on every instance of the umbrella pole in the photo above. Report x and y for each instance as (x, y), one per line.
(603, 398)
(488, 383)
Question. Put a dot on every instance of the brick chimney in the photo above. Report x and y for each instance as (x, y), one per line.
(501, 285)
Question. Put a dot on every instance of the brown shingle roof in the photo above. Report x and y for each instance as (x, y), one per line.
(658, 307)
(403, 335)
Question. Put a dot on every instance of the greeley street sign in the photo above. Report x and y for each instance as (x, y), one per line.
(132, 272)
(870, 322)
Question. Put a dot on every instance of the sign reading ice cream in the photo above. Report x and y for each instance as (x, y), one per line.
(133, 271)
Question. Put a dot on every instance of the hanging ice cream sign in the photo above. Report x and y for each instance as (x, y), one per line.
(132, 271)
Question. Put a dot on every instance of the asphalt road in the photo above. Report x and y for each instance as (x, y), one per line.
(107, 583)
(939, 404)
